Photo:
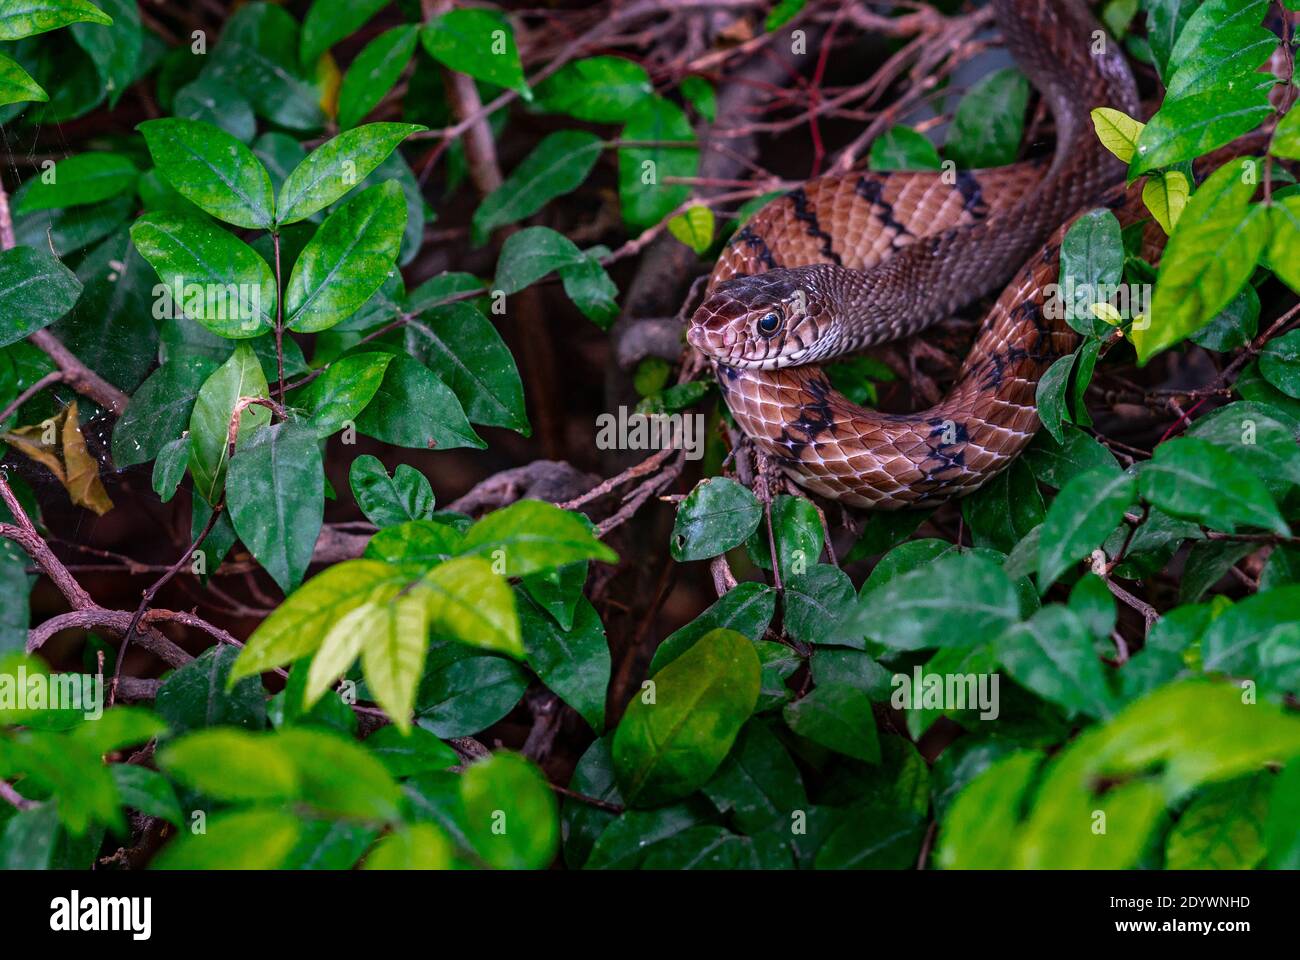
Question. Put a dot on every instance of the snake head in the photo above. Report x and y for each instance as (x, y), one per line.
(766, 320)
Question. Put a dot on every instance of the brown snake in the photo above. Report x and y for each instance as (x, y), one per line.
(852, 260)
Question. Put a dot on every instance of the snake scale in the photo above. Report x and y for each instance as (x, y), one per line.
(852, 260)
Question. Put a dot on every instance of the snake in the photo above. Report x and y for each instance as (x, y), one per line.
(850, 260)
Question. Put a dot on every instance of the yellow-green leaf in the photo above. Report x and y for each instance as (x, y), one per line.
(1165, 195)
(1117, 131)
(694, 228)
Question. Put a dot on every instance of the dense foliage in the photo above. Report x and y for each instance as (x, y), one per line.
(264, 279)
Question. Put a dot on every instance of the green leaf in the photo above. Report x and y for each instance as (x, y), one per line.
(338, 777)
(1222, 828)
(1117, 131)
(147, 791)
(530, 535)
(202, 694)
(798, 529)
(531, 254)
(395, 636)
(297, 627)
(81, 179)
(694, 227)
(386, 501)
(716, 516)
(1165, 195)
(467, 601)
(416, 546)
(413, 408)
(873, 837)
(1083, 514)
(976, 831)
(1175, 739)
(30, 17)
(1050, 396)
(1286, 137)
(989, 121)
(1279, 831)
(1279, 362)
(468, 694)
(598, 89)
(1209, 259)
(1005, 509)
(1234, 326)
(1057, 463)
(959, 600)
(213, 170)
(231, 764)
(748, 608)
(35, 290)
(1198, 481)
(251, 839)
(556, 166)
(510, 813)
(240, 376)
(276, 495)
(782, 13)
(159, 411)
(478, 43)
(348, 259)
(1284, 218)
(670, 745)
(1259, 436)
(459, 344)
(1052, 654)
(699, 93)
(902, 148)
(1188, 127)
(373, 73)
(820, 606)
(17, 86)
(207, 274)
(119, 53)
(758, 784)
(1222, 44)
(1165, 20)
(327, 23)
(216, 103)
(1092, 264)
(574, 663)
(338, 396)
(1257, 638)
(645, 196)
(336, 166)
(257, 56)
(837, 716)
(419, 846)
(409, 753)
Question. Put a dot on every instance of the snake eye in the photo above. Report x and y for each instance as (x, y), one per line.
(769, 324)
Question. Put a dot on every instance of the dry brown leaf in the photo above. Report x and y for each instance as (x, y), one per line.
(78, 471)
(82, 469)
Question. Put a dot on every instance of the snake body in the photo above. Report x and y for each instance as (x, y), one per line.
(852, 260)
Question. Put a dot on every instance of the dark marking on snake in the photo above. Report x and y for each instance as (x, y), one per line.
(805, 214)
(873, 191)
(972, 195)
(747, 236)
